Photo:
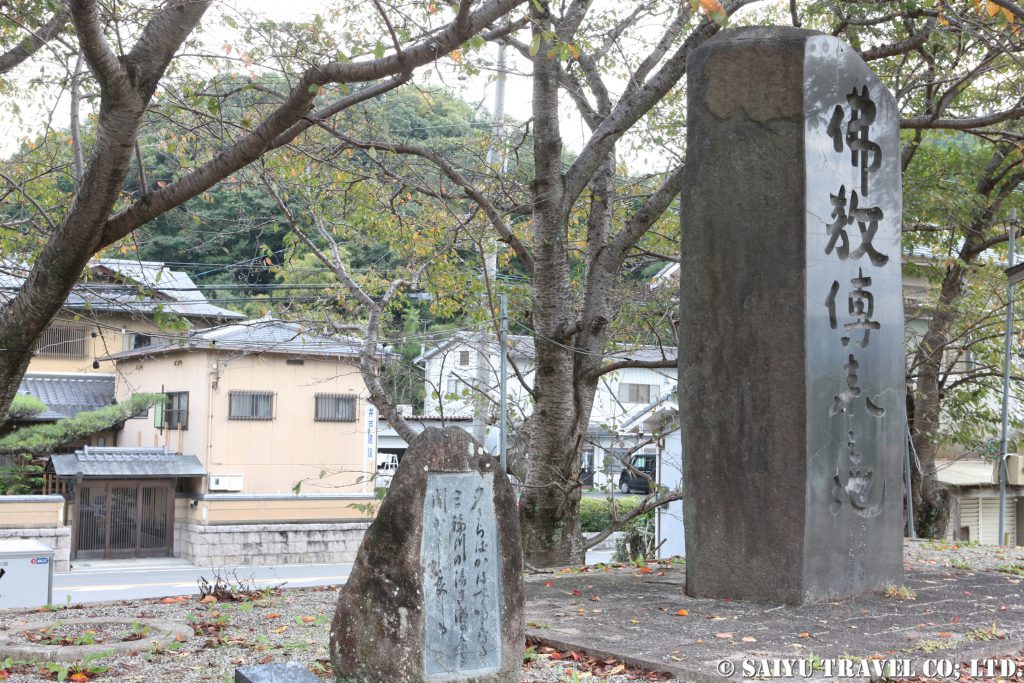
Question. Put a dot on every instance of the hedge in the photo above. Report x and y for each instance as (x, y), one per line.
(596, 515)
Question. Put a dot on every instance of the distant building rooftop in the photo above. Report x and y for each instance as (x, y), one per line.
(262, 335)
(965, 473)
(123, 285)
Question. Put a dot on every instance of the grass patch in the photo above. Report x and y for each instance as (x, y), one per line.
(959, 563)
(929, 645)
(894, 592)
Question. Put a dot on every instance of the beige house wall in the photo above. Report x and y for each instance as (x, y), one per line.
(42, 512)
(272, 456)
(283, 510)
(113, 335)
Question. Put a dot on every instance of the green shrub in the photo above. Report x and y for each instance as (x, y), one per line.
(44, 438)
(596, 514)
(24, 406)
(21, 473)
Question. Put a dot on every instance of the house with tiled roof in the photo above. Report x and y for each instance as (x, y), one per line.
(466, 365)
(262, 451)
(114, 307)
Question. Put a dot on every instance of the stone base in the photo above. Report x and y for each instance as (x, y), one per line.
(263, 544)
(58, 538)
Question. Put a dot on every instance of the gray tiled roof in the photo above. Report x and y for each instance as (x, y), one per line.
(127, 286)
(67, 394)
(262, 335)
(126, 462)
(523, 347)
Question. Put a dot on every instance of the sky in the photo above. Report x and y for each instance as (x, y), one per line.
(474, 89)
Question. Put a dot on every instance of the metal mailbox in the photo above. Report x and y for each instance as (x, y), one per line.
(26, 573)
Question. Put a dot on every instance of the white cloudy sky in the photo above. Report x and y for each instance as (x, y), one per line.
(477, 90)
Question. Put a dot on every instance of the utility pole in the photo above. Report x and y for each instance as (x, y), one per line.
(503, 386)
(1011, 280)
(481, 399)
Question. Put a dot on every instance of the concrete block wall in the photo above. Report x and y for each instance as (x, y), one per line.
(263, 544)
(58, 538)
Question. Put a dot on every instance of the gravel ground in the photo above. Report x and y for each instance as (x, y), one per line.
(965, 556)
(290, 625)
(293, 625)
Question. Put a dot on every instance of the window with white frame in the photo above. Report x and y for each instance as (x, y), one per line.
(457, 386)
(335, 408)
(463, 357)
(636, 393)
(251, 405)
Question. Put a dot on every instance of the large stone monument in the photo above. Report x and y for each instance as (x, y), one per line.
(791, 365)
(436, 593)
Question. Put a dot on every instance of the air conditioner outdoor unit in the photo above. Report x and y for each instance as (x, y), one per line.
(1015, 470)
(225, 482)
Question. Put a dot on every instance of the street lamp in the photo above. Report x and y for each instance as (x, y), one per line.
(1014, 274)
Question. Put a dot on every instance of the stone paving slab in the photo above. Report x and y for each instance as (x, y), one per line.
(633, 616)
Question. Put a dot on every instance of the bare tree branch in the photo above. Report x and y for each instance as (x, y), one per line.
(271, 132)
(33, 42)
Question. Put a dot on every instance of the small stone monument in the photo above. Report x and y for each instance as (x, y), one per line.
(791, 359)
(436, 593)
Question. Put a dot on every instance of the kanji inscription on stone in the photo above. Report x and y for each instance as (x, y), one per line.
(462, 593)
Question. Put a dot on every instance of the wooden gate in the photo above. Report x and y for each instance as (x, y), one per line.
(123, 518)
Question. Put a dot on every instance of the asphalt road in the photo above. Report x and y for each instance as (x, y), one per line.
(123, 582)
(105, 581)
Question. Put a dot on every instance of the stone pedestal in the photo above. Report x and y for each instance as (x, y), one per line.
(791, 344)
(436, 593)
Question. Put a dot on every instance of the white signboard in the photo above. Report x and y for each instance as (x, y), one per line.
(26, 574)
(371, 434)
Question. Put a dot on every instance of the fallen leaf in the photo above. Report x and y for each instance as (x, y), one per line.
(805, 634)
(723, 635)
(208, 599)
(576, 592)
(645, 570)
(595, 598)
(267, 660)
(78, 677)
(749, 639)
(549, 584)
(308, 619)
(167, 601)
(945, 634)
(682, 613)
(279, 630)
(955, 620)
(273, 615)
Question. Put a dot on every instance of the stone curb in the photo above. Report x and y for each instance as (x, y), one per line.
(162, 633)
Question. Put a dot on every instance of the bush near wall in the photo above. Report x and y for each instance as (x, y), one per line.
(596, 513)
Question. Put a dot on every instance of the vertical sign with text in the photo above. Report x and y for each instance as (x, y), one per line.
(854, 325)
(460, 562)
